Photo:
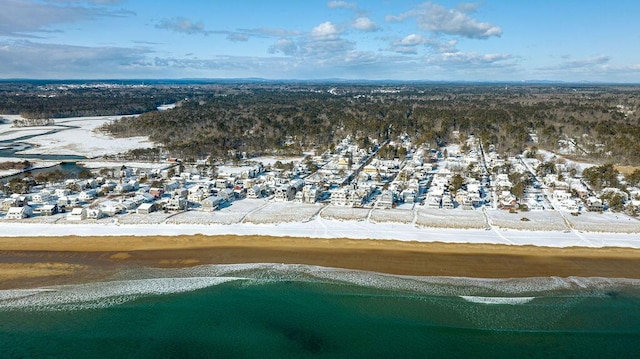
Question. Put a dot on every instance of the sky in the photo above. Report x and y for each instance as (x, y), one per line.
(441, 40)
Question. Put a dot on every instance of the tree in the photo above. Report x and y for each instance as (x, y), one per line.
(457, 181)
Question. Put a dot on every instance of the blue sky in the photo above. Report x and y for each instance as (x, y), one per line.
(492, 40)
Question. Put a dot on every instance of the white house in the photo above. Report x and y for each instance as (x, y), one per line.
(77, 214)
(19, 212)
(146, 208)
(87, 195)
(210, 204)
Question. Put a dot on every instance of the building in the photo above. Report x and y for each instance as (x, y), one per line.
(212, 203)
(77, 214)
(19, 212)
(49, 209)
(146, 208)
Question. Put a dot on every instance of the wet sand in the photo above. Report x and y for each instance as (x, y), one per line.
(33, 262)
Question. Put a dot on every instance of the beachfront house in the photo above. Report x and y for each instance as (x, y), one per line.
(21, 212)
(49, 209)
(212, 203)
(146, 208)
(77, 214)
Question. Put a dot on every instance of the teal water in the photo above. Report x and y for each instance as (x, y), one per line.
(277, 311)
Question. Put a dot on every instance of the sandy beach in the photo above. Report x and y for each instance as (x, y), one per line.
(39, 261)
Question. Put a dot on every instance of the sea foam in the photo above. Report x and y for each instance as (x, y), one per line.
(101, 294)
(497, 300)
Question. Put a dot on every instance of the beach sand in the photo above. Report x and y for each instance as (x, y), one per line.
(35, 262)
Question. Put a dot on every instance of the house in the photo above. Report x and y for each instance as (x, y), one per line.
(19, 212)
(156, 192)
(87, 195)
(507, 201)
(227, 194)
(210, 204)
(77, 214)
(95, 213)
(284, 193)
(112, 208)
(341, 197)
(196, 196)
(123, 187)
(447, 202)
(386, 200)
(146, 208)
(41, 197)
(254, 192)
(49, 209)
(61, 192)
(594, 204)
(176, 203)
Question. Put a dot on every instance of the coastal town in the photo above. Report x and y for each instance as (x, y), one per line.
(394, 181)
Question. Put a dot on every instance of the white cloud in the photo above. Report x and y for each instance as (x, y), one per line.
(590, 62)
(471, 59)
(23, 18)
(410, 43)
(342, 5)
(364, 24)
(325, 31)
(284, 46)
(182, 25)
(37, 60)
(412, 40)
(237, 37)
(440, 20)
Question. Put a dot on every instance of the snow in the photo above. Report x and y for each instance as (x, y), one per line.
(283, 213)
(345, 213)
(83, 140)
(537, 220)
(604, 222)
(391, 216)
(450, 218)
(260, 217)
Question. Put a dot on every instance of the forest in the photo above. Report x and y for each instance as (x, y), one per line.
(224, 120)
(598, 123)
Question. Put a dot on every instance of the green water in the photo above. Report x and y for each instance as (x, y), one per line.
(293, 318)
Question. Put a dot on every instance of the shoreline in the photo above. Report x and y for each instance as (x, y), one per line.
(30, 262)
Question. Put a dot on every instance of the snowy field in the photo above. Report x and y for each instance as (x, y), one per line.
(451, 218)
(235, 213)
(81, 140)
(326, 228)
(283, 213)
(537, 220)
(345, 213)
(604, 222)
(391, 216)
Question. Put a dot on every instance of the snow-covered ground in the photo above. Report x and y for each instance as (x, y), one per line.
(604, 222)
(451, 218)
(261, 217)
(80, 141)
(529, 221)
(284, 212)
(391, 216)
(320, 227)
(345, 213)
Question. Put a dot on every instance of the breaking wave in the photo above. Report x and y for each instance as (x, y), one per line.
(133, 284)
(102, 294)
(497, 300)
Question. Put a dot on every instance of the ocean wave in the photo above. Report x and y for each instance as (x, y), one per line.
(136, 283)
(262, 273)
(102, 294)
(497, 300)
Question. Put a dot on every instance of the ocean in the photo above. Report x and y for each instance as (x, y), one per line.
(299, 311)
